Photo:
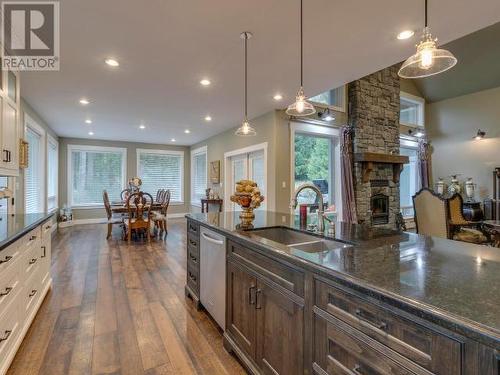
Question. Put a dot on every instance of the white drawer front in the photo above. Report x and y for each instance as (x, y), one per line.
(8, 257)
(10, 284)
(10, 327)
(31, 292)
(47, 229)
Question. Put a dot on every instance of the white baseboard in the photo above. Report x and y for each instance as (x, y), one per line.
(103, 220)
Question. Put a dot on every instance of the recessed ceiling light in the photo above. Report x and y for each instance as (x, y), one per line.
(84, 101)
(142, 126)
(205, 82)
(208, 118)
(91, 133)
(187, 131)
(112, 62)
(172, 140)
(278, 97)
(88, 121)
(406, 34)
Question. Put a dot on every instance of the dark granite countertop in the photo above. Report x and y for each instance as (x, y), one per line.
(12, 227)
(448, 280)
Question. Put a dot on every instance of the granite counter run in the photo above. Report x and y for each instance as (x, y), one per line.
(422, 304)
(13, 227)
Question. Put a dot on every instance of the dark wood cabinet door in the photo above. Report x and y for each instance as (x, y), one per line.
(241, 320)
(279, 332)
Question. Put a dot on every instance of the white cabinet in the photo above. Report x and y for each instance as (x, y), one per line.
(24, 282)
(9, 123)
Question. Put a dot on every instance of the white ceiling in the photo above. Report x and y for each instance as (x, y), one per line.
(166, 46)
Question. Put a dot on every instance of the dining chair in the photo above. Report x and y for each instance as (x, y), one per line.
(139, 214)
(159, 195)
(160, 217)
(112, 219)
(125, 193)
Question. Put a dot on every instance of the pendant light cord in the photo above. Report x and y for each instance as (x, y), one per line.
(246, 75)
(425, 18)
(302, 46)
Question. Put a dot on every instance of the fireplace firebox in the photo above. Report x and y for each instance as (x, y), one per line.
(380, 209)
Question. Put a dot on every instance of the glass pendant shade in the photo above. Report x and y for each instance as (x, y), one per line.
(301, 107)
(428, 60)
(245, 129)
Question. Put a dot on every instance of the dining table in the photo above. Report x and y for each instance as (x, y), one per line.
(120, 207)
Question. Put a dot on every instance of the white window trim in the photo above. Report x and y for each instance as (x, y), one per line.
(313, 129)
(72, 148)
(421, 108)
(53, 141)
(227, 172)
(29, 122)
(164, 152)
(195, 152)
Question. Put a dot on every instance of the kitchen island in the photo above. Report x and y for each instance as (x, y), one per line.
(366, 301)
(25, 257)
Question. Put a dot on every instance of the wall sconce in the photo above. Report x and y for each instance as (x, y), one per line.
(480, 135)
(326, 115)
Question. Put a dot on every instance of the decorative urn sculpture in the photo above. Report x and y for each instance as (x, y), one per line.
(248, 197)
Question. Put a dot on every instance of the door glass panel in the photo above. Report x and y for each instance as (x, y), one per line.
(12, 85)
(4, 202)
(409, 181)
(313, 165)
(256, 161)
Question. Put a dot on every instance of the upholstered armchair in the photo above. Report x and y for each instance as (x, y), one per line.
(461, 229)
(431, 214)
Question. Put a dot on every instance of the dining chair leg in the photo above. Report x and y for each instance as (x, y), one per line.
(164, 223)
(110, 228)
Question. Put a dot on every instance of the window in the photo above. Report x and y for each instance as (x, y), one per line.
(409, 182)
(52, 173)
(411, 111)
(34, 175)
(316, 160)
(198, 174)
(160, 169)
(93, 169)
(335, 98)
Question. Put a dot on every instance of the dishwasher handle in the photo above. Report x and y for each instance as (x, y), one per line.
(213, 240)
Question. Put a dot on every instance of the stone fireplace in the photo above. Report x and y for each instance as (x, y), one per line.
(374, 114)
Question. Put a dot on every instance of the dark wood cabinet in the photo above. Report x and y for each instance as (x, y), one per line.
(279, 332)
(192, 288)
(264, 321)
(240, 308)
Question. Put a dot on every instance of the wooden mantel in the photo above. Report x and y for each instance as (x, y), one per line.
(368, 159)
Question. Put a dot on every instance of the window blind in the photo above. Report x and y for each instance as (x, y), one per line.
(52, 174)
(161, 170)
(198, 176)
(94, 170)
(33, 178)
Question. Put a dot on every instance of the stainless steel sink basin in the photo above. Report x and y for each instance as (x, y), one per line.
(298, 240)
(284, 236)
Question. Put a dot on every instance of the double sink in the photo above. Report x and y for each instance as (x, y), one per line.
(299, 240)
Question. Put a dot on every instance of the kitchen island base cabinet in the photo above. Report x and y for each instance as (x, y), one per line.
(264, 325)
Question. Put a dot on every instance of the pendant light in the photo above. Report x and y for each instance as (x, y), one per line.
(301, 107)
(245, 129)
(428, 60)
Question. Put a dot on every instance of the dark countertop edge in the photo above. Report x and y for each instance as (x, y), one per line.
(25, 230)
(463, 326)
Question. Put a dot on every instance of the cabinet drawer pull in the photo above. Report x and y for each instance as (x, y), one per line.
(33, 292)
(7, 291)
(32, 261)
(44, 248)
(6, 259)
(5, 336)
(257, 299)
(193, 243)
(356, 369)
(251, 295)
(382, 325)
(192, 228)
(6, 157)
(32, 238)
(193, 258)
(10, 156)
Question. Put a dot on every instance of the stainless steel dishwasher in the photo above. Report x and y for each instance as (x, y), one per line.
(213, 274)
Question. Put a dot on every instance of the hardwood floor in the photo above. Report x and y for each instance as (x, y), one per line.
(120, 309)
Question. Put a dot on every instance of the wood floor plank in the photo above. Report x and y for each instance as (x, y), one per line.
(116, 308)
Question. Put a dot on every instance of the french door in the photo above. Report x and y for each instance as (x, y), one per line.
(245, 166)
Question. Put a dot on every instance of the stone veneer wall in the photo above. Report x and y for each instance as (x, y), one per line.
(374, 113)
